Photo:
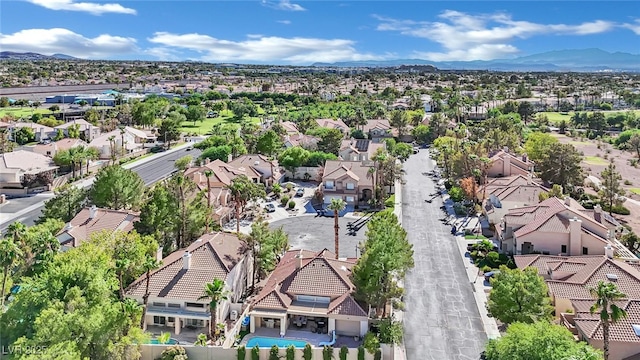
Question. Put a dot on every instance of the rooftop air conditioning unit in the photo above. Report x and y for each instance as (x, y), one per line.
(612, 277)
(234, 315)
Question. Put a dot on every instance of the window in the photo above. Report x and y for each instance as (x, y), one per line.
(158, 304)
(563, 249)
(195, 305)
(350, 199)
(194, 322)
(174, 306)
(351, 186)
(171, 319)
(585, 251)
(328, 184)
(161, 320)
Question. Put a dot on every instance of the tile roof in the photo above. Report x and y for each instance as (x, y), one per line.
(82, 225)
(213, 256)
(334, 169)
(259, 164)
(518, 161)
(332, 124)
(315, 274)
(620, 331)
(25, 162)
(377, 124)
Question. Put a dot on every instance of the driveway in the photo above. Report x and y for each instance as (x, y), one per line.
(442, 319)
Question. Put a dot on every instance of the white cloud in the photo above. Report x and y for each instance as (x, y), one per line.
(258, 48)
(481, 37)
(284, 22)
(58, 40)
(92, 8)
(635, 27)
(284, 5)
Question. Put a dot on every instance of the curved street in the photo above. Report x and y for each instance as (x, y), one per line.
(443, 319)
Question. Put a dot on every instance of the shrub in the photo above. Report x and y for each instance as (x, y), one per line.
(327, 353)
(360, 352)
(485, 269)
(627, 182)
(371, 342)
(255, 353)
(307, 353)
(377, 355)
(616, 209)
(391, 331)
(344, 351)
(242, 353)
(174, 353)
(284, 200)
(274, 353)
(456, 193)
(292, 204)
(291, 352)
(390, 202)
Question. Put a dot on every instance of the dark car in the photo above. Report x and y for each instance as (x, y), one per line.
(491, 274)
(270, 208)
(157, 149)
(300, 192)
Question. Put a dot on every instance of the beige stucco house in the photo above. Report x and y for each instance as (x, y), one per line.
(269, 171)
(310, 291)
(504, 164)
(350, 181)
(14, 165)
(175, 287)
(358, 149)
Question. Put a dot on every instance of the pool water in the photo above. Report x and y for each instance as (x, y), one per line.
(170, 342)
(267, 342)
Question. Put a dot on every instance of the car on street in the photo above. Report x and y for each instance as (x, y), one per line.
(300, 192)
(157, 149)
(270, 208)
(490, 274)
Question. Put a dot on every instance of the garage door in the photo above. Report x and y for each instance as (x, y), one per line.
(327, 198)
(348, 328)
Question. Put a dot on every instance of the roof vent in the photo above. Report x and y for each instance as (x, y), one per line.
(612, 277)
(636, 329)
(343, 268)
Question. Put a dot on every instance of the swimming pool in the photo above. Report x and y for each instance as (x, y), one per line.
(157, 342)
(267, 342)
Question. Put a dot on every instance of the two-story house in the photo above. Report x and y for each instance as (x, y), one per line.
(358, 149)
(557, 227)
(310, 291)
(504, 164)
(269, 170)
(378, 130)
(16, 164)
(41, 132)
(52, 148)
(176, 287)
(87, 130)
(334, 124)
(351, 181)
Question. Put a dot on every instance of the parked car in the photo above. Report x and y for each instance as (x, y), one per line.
(270, 208)
(157, 149)
(300, 192)
(490, 274)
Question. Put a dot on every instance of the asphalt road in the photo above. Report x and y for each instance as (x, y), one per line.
(441, 319)
(151, 171)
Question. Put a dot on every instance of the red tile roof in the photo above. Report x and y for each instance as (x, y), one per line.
(82, 225)
(620, 331)
(213, 256)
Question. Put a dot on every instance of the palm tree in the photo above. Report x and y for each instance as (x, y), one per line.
(336, 205)
(208, 174)
(90, 154)
(605, 294)
(112, 148)
(214, 292)
(149, 265)
(9, 253)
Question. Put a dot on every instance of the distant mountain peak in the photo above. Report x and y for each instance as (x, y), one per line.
(10, 55)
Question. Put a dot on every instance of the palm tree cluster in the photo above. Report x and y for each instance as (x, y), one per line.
(76, 157)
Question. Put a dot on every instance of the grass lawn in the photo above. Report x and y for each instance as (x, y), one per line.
(579, 143)
(635, 190)
(476, 236)
(556, 117)
(594, 160)
(22, 112)
(203, 127)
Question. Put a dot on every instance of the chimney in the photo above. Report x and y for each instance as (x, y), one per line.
(524, 158)
(575, 236)
(206, 161)
(299, 258)
(506, 165)
(229, 158)
(93, 210)
(567, 201)
(597, 213)
(529, 178)
(68, 227)
(505, 149)
(186, 260)
(159, 253)
(608, 251)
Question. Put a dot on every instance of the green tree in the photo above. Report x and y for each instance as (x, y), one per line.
(422, 134)
(386, 256)
(169, 129)
(158, 216)
(117, 188)
(183, 163)
(266, 246)
(525, 109)
(217, 153)
(195, 113)
(214, 292)
(269, 143)
(611, 191)
(73, 131)
(631, 241)
(149, 264)
(24, 135)
(539, 341)
(293, 158)
(54, 108)
(519, 296)
(4, 102)
(402, 151)
(243, 190)
(337, 205)
(67, 203)
(561, 165)
(9, 254)
(606, 294)
(330, 139)
(538, 144)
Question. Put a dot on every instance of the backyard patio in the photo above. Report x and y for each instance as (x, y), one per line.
(187, 335)
(307, 336)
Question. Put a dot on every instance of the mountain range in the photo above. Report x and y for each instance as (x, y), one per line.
(9, 55)
(560, 60)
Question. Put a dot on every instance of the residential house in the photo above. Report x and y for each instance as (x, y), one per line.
(290, 127)
(14, 165)
(41, 132)
(558, 227)
(221, 177)
(176, 287)
(358, 149)
(379, 130)
(334, 124)
(269, 170)
(52, 148)
(310, 291)
(88, 132)
(504, 164)
(569, 280)
(133, 140)
(500, 195)
(350, 181)
(305, 141)
(91, 220)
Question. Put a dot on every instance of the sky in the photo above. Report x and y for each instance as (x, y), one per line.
(282, 32)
